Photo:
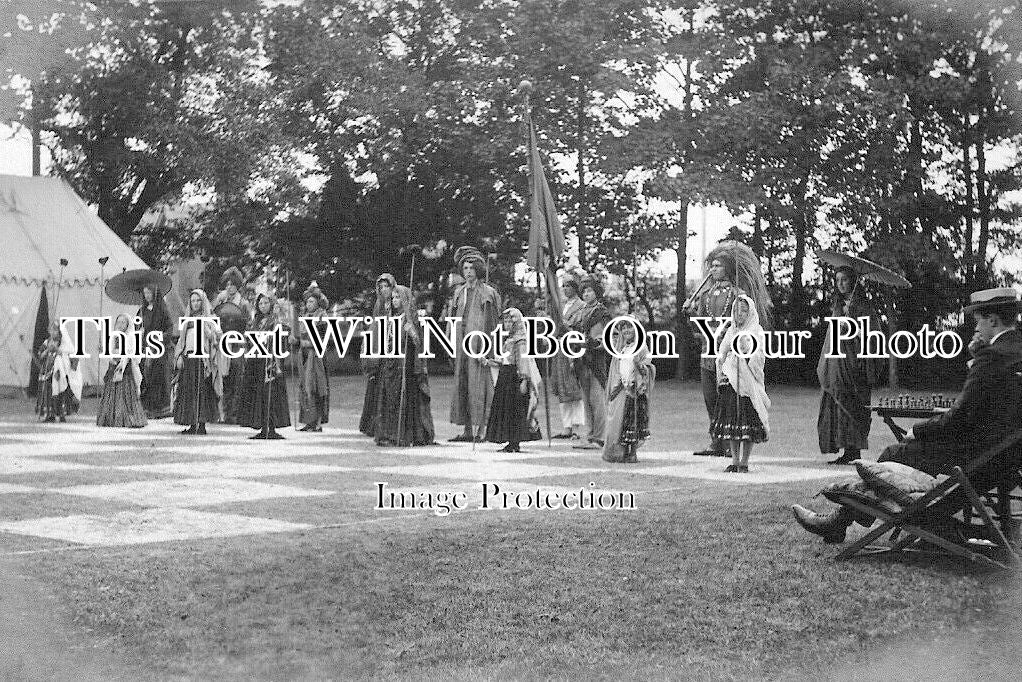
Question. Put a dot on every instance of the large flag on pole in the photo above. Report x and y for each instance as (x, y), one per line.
(546, 239)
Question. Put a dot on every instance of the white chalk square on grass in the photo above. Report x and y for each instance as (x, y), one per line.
(759, 472)
(189, 492)
(10, 466)
(52, 449)
(7, 488)
(148, 525)
(483, 471)
(236, 468)
(259, 449)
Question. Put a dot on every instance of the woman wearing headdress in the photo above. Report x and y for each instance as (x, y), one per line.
(385, 284)
(478, 306)
(60, 381)
(265, 405)
(404, 384)
(155, 388)
(314, 399)
(844, 418)
(199, 381)
(563, 382)
(591, 369)
(120, 404)
(516, 395)
(629, 387)
(733, 269)
(741, 418)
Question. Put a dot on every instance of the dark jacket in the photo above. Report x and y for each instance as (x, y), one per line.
(988, 409)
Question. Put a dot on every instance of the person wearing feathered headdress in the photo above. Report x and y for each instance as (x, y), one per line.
(563, 382)
(199, 384)
(733, 269)
(385, 285)
(478, 305)
(404, 416)
(629, 390)
(120, 404)
(741, 418)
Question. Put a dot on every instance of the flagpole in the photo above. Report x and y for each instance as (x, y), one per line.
(525, 87)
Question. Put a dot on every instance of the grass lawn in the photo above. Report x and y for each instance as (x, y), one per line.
(705, 580)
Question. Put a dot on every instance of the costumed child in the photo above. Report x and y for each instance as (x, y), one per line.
(629, 386)
(741, 422)
(516, 394)
(121, 402)
(60, 382)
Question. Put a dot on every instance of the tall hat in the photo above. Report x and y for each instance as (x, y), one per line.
(467, 253)
(1004, 297)
(232, 275)
(745, 268)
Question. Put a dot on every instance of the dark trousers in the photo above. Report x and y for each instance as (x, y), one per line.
(708, 382)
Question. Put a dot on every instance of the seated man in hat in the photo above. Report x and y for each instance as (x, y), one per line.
(988, 409)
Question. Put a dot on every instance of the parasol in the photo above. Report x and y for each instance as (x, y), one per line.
(867, 269)
(126, 287)
(232, 317)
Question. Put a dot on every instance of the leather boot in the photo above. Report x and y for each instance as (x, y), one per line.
(847, 457)
(831, 527)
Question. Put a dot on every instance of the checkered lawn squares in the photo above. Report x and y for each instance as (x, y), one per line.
(148, 525)
(240, 469)
(188, 492)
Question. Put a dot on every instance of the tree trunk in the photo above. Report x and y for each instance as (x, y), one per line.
(583, 214)
(682, 329)
(983, 197)
(970, 206)
(757, 232)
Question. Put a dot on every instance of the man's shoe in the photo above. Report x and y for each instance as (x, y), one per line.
(273, 435)
(460, 438)
(190, 431)
(845, 458)
(830, 527)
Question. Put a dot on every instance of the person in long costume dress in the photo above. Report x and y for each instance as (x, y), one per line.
(734, 269)
(404, 383)
(629, 392)
(121, 404)
(591, 369)
(478, 306)
(385, 284)
(314, 399)
(742, 407)
(155, 388)
(60, 381)
(199, 381)
(265, 405)
(231, 281)
(516, 394)
(844, 417)
(563, 382)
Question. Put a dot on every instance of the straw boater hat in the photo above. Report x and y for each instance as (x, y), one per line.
(1004, 297)
(233, 275)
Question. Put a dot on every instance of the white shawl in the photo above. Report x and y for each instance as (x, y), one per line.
(746, 374)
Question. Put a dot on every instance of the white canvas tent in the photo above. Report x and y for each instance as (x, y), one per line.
(41, 221)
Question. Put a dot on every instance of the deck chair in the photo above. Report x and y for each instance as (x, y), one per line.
(906, 521)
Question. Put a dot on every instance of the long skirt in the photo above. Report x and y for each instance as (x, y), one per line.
(416, 427)
(50, 406)
(370, 406)
(839, 428)
(120, 404)
(155, 389)
(248, 388)
(733, 423)
(263, 393)
(627, 425)
(509, 411)
(315, 390)
(197, 401)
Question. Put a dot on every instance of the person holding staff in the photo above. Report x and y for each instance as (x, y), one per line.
(516, 395)
(385, 285)
(265, 401)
